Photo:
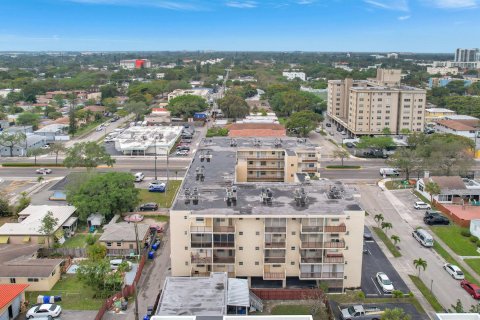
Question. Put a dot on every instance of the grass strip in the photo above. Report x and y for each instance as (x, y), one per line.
(427, 294)
(421, 197)
(452, 236)
(448, 258)
(386, 240)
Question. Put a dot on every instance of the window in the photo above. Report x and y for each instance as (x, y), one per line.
(293, 233)
(186, 232)
(257, 263)
(32, 279)
(185, 217)
(130, 245)
(257, 248)
(292, 263)
(250, 162)
(257, 218)
(240, 263)
(263, 163)
(119, 244)
(240, 248)
(13, 280)
(53, 272)
(186, 263)
(199, 219)
(109, 244)
(360, 111)
(240, 233)
(406, 100)
(293, 248)
(257, 233)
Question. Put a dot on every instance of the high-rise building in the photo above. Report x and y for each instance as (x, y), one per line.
(247, 207)
(365, 107)
(467, 55)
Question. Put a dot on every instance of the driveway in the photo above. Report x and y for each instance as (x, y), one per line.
(374, 260)
(72, 315)
(406, 307)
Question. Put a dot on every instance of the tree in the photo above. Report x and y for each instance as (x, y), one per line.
(378, 218)
(386, 131)
(23, 202)
(5, 208)
(48, 224)
(233, 106)
(406, 160)
(88, 155)
(457, 307)
(57, 148)
(137, 108)
(98, 274)
(341, 154)
(375, 142)
(28, 119)
(405, 131)
(111, 104)
(186, 106)
(35, 152)
(10, 141)
(395, 239)
(395, 314)
(386, 226)
(96, 252)
(40, 179)
(72, 121)
(303, 122)
(118, 195)
(420, 264)
(108, 91)
(433, 189)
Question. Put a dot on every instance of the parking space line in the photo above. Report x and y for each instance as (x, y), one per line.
(376, 287)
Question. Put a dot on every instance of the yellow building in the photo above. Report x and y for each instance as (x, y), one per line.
(432, 114)
(273, 227)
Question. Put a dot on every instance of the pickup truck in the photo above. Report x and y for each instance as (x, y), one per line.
(359, 312)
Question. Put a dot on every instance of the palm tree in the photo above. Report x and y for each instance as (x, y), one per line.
(386, 226)
(378, 218)
(395, 239)
(40, 179)
(420, 264)
(433, 189)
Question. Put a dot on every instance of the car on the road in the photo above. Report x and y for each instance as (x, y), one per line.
(384, 282)
(150, 206)
(349, 145)
(339, 129)
(367, 235)
(328, 124)
(100, 128)
(318, 130)
(454, 271)
(43, 171)
(436, 220)
(421, 205)
(183, 147)
(108, 140)
(42, 310)
(182, 153)
(471, 288)
(139, 176)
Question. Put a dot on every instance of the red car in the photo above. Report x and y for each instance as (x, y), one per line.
(471, 288)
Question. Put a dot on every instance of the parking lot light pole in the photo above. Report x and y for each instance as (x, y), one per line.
(155, 141)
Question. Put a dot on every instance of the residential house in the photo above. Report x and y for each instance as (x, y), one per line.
(12, 296)
(27, 230)
(95, 109)
(54, 133)
(32, 141)
(464, 128)
(158, 116)
(19, 264)
(120, 240)
(201, 92)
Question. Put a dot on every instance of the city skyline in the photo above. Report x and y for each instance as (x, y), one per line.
(288, 25)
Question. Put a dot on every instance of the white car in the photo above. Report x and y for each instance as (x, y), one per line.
(454, 271)
(384, 282)
(421, 205)
(155, 183)
(43, 171)
(46, 146)
(182, 153)
(43, 310)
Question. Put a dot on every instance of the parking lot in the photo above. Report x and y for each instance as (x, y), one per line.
(413, 216)
(406, 307)
(374, 260)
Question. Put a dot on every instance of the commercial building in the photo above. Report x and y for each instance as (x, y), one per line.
(246, 208)
(433, 113)
(139, 140)
(443, 70)
(201, 92)
(365, 107)
(54, 133)
(464, 128)
(135, 64)
(294, 74)
(392, 55)
(11, 299)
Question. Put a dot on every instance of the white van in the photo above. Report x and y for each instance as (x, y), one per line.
(139, 176)
(389, 172)
(423, 237)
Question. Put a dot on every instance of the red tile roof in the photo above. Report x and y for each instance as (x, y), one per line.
(256, 130)
(8, 292)
(159, 110)
(459, 125)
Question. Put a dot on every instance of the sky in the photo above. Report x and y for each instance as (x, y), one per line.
(240, 25)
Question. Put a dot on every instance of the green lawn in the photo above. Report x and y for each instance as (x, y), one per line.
(291, 309)
(164, 199)
(386, 240)
(89, 127)
(75, 295)
(459, 244)
(427, 294)
(396, 184)
(78, 241)
(160, 218)
(474, 264)
(448, 258)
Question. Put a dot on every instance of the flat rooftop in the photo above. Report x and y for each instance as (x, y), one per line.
(322, 196)
(202, 296)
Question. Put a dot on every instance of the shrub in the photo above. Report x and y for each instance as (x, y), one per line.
(410, 294)
(217, 132)
(478, 243)
(361, 295)
(465, 233)
(397, 294)
(473, 239)
(90, 239)
(23, 164)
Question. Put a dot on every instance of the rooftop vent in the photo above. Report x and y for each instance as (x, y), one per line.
(191, 196)
(267, 196)
(301, 198)
(206, 156)
(302, 140)
(200, 173)
(233, 143)
(277, 143)
(335, 192)
(231, 195)
(257, 142)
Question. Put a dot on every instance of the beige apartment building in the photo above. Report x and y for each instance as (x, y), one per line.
(279, 228)
(364, 107)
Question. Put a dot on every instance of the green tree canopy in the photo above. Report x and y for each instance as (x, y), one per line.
(28, 119)
(137, 108)
(233, 106)
(287, 102)
(88, 155)
(47, 226)
(395, 314)
(109, 91)
(118, 195)
(186, 106)
(11, 141)
(379, 142)
(303, 122)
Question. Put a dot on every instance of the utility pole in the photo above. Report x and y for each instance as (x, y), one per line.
(155, 141)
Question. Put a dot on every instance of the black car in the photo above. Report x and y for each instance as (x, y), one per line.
(349, 145)
(149, 206)
(433, 220)
(328, 124)
(432, 213)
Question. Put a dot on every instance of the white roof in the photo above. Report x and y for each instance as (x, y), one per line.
(457, 316)
(33, 221)
(439, 110)
(238, 293)
(460, 117)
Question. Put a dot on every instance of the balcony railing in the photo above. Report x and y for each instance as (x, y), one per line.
(311, 259)
(265, 168)
(312, 229)
(334, 259)
(224, 229)
(334, 244)
(273, 275)
(274, 260)
(275, 245)
(200, 229)
(201, 260)
(265, 179)
(200, 274)
(223, 244)
(340, 228)
(197, 244)
(279, 229)
(312, 244)
(311, 170)
(321, 275)
(309, 160)
(223, 259)
(250, 157)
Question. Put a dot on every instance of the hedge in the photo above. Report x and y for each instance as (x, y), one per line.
(27, 164)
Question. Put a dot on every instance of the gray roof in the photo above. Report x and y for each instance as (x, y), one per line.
(202, 296)
(18, 260)
(220, 173)
(238, 293)
(123, 231)
(55, 127)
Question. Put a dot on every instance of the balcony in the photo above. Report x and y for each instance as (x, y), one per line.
(334, 259)
(334, 244)
(226, 259)
(339, 228)
(309, 160)
(311, 229)
(201, 229)
(275, 245)
(265, 158)
(265, 179)
(273, 275)
(278, 229)
(311, 244)
(200, 274)
(265, 168)
(274, 260)
(321, 275)
(317, 259)
(310, 170)
(223, 229)
(199, 244)
(224, 244)
(199, 259)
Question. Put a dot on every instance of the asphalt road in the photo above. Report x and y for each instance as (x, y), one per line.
(446, 289)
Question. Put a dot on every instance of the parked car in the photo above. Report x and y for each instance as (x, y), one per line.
(149, 206)
(349, 145)
(115, 263)
(139, 176)
(182, 153)
(344, 133)
(156, 183)
(183, 147)
(157, 188)
(434, 220)
(42, 310)
(100, 128)
(108, 140)
(367, 235)
(328, 124)
(454, 271)
(46, 146)
(432, 213)
(423, 237)
(43, 171)
(471, 288)
(384, 282)
(421, 205)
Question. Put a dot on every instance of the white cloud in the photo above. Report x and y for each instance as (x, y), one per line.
(401, 18)
(302, 2)
(242, 4)
(398, 5)
(453, 4)
(164, 4)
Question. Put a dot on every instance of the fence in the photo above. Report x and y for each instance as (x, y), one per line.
(64, 252)
(127, 290)
(287, 294)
